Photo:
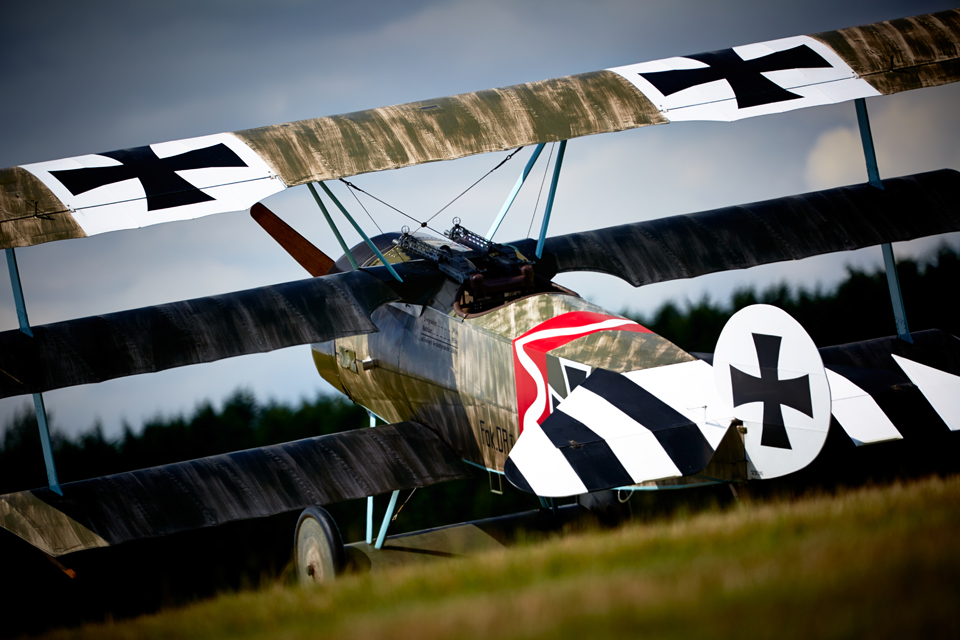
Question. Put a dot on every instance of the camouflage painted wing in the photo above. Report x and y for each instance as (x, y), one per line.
(184, 179)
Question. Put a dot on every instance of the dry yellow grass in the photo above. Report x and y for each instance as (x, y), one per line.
(874, 562)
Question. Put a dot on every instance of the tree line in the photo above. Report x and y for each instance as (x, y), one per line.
(242, 423)
(859, 308)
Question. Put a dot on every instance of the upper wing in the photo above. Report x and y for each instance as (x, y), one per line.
(236, 486)
(185, 179)
(790, 228)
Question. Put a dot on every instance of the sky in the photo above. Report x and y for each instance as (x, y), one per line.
(96, 76)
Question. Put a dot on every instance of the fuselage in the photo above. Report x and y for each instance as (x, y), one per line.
(457, 373)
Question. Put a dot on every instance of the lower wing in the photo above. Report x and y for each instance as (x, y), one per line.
(225, 488)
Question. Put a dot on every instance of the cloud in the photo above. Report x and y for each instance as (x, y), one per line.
(913, 132)
(836, 159)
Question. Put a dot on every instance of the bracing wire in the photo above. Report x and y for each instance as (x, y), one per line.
(354, 188)
(386, 204)
(365, 210)
(502, 162)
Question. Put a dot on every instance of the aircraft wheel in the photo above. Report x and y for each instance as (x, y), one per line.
(318, 547)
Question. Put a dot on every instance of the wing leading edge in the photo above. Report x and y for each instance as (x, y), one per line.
(185, 179)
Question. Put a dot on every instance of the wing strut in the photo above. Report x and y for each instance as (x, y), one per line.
(553, 192)
(373, 423)
(387, 517)
(333, 227)
(516, 189)
(363, 235)
(889, 264)
(52, 481)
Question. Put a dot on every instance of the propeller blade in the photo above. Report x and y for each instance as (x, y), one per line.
(300, 249)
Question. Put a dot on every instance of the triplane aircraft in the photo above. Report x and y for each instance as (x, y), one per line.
(464, 345)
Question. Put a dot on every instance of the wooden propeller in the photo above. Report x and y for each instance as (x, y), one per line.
(316, 262)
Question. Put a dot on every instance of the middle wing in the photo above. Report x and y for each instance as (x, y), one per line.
(177, 334)
(790, 228)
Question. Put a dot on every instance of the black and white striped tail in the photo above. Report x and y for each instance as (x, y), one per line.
(616, 430)
(621, 429)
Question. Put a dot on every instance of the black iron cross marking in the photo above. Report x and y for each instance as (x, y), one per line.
(771, 391)
(164, 188)
(745, 76)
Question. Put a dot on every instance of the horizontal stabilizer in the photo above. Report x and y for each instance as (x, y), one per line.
(902, 378)
(768, 380)
(874, 400)
(616, 430)
(236, 486)
(749, 235)
(887, 389)
(940, 388)
(855, 408)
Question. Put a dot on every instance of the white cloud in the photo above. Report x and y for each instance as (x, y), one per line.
(835, 160)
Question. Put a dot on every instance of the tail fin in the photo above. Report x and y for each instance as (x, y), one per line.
(770, 372)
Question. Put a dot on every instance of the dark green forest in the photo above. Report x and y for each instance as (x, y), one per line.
(857, 309)
(241, 424)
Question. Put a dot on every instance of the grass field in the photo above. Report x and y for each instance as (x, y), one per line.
(877, 562)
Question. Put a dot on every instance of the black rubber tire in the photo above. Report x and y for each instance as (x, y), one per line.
(317, 547)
